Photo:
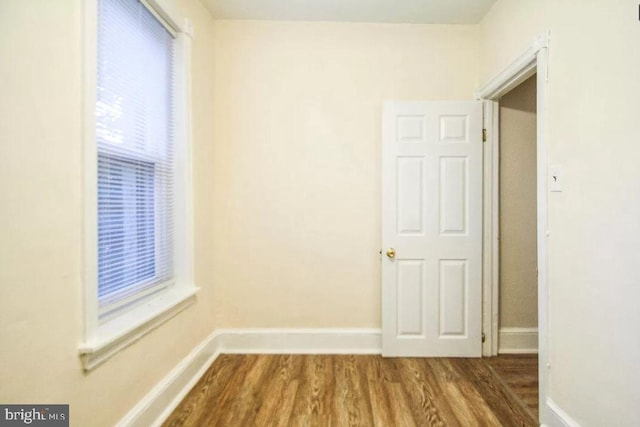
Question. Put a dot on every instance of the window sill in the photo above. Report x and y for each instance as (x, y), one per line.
(124, 330)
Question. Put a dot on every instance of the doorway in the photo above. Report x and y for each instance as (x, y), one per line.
(518, 287)
(517, 361)
(410, 129)
(532, 61)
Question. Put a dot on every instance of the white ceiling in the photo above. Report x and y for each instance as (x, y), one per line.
(407, 11)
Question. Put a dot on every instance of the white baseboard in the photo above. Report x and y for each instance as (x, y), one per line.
(517, 340)
(158, 404)
(557, 417)
(301, 341)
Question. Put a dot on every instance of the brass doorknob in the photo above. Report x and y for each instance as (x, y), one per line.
(391, 253)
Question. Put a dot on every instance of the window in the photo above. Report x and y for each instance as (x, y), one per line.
(137, 171)
(134, 132)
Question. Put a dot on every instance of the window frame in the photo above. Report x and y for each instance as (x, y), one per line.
(104, 337)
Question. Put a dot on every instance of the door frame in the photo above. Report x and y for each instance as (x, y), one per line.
(534, 60)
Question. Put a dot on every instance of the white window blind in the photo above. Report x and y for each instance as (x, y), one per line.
(134, 130)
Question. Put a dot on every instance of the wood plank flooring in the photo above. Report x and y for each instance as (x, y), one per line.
(520, 373)
(350, 390)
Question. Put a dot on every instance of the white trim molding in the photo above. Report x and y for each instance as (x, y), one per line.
(128, 328)
(520, 70)
(533, 60)
(559, 418)
(517, 72)
(491, 229)
(301, 341)
(518, 341)
(158, 404)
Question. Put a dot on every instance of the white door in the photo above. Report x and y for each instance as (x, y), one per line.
(432, 229)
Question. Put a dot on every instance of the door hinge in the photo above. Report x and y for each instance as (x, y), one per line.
(484, 135)
(484, 337)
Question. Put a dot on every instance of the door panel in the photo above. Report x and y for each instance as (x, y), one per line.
(453, 288)
(453, 195)
(410, 195)
(432, 217)
(410, 282)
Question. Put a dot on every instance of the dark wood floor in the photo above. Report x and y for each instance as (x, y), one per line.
(322, 390)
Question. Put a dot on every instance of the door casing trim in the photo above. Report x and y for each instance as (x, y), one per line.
(533, 60)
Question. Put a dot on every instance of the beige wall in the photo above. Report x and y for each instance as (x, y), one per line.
(298, 110)
(287, 149)
(518, 257)
(41, 221)
(594, 232)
